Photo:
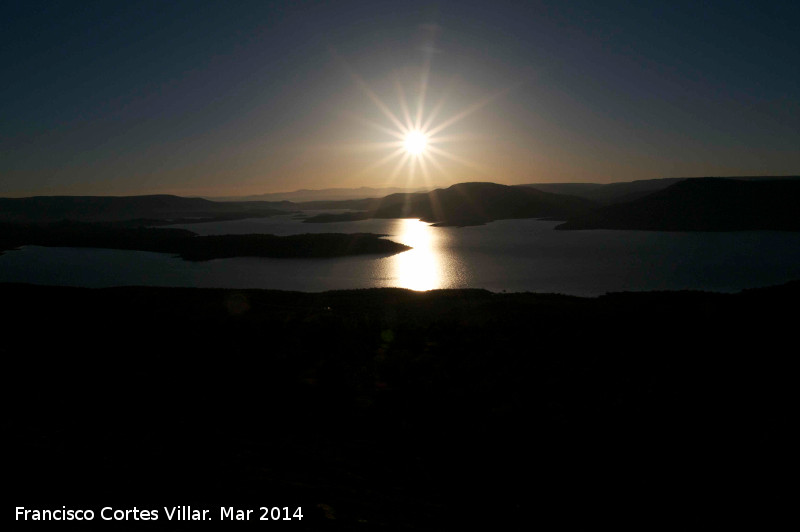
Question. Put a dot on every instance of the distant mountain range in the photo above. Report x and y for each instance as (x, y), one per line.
(325, 194)
(674, 204)
(604, 194)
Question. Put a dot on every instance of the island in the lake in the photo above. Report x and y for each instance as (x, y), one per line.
(189, 246)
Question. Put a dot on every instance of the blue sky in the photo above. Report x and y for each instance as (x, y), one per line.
(233, 98)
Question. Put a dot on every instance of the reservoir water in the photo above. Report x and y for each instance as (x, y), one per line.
(507, 255)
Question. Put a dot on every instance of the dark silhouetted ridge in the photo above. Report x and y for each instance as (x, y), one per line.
(704, 204)
(619, 192)
(468, 204)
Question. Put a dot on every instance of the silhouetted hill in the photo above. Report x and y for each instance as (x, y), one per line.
(146, 209)
(571, 189)
(607, 194)
(704, 204)
(468, 204)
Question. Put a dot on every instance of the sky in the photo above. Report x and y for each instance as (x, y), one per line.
(232, 98)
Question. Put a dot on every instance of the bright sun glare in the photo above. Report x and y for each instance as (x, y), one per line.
(417, 130)
(415, 142)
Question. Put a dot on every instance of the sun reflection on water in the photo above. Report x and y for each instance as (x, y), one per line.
(419, 268)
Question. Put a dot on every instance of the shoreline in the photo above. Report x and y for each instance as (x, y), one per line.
(788, 285)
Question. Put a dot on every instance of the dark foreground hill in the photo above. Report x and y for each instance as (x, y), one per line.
(707, 204)
(465, 204)
(388, 409)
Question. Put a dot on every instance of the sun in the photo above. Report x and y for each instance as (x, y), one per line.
(415, 142)
(416, 129)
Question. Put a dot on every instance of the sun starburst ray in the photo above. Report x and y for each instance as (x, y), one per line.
(480, 104)
(374, 125)
(397, 153)
(361, 146)
(426, 69)
(412, 167)
(445, 139)
(401, 96)
(456, 158)
(364, 86)
(399, 166)
(439, 105)
(438, 166)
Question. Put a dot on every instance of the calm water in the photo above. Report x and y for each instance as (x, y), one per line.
(511, 255)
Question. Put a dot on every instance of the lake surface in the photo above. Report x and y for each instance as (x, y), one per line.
(510, 255)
